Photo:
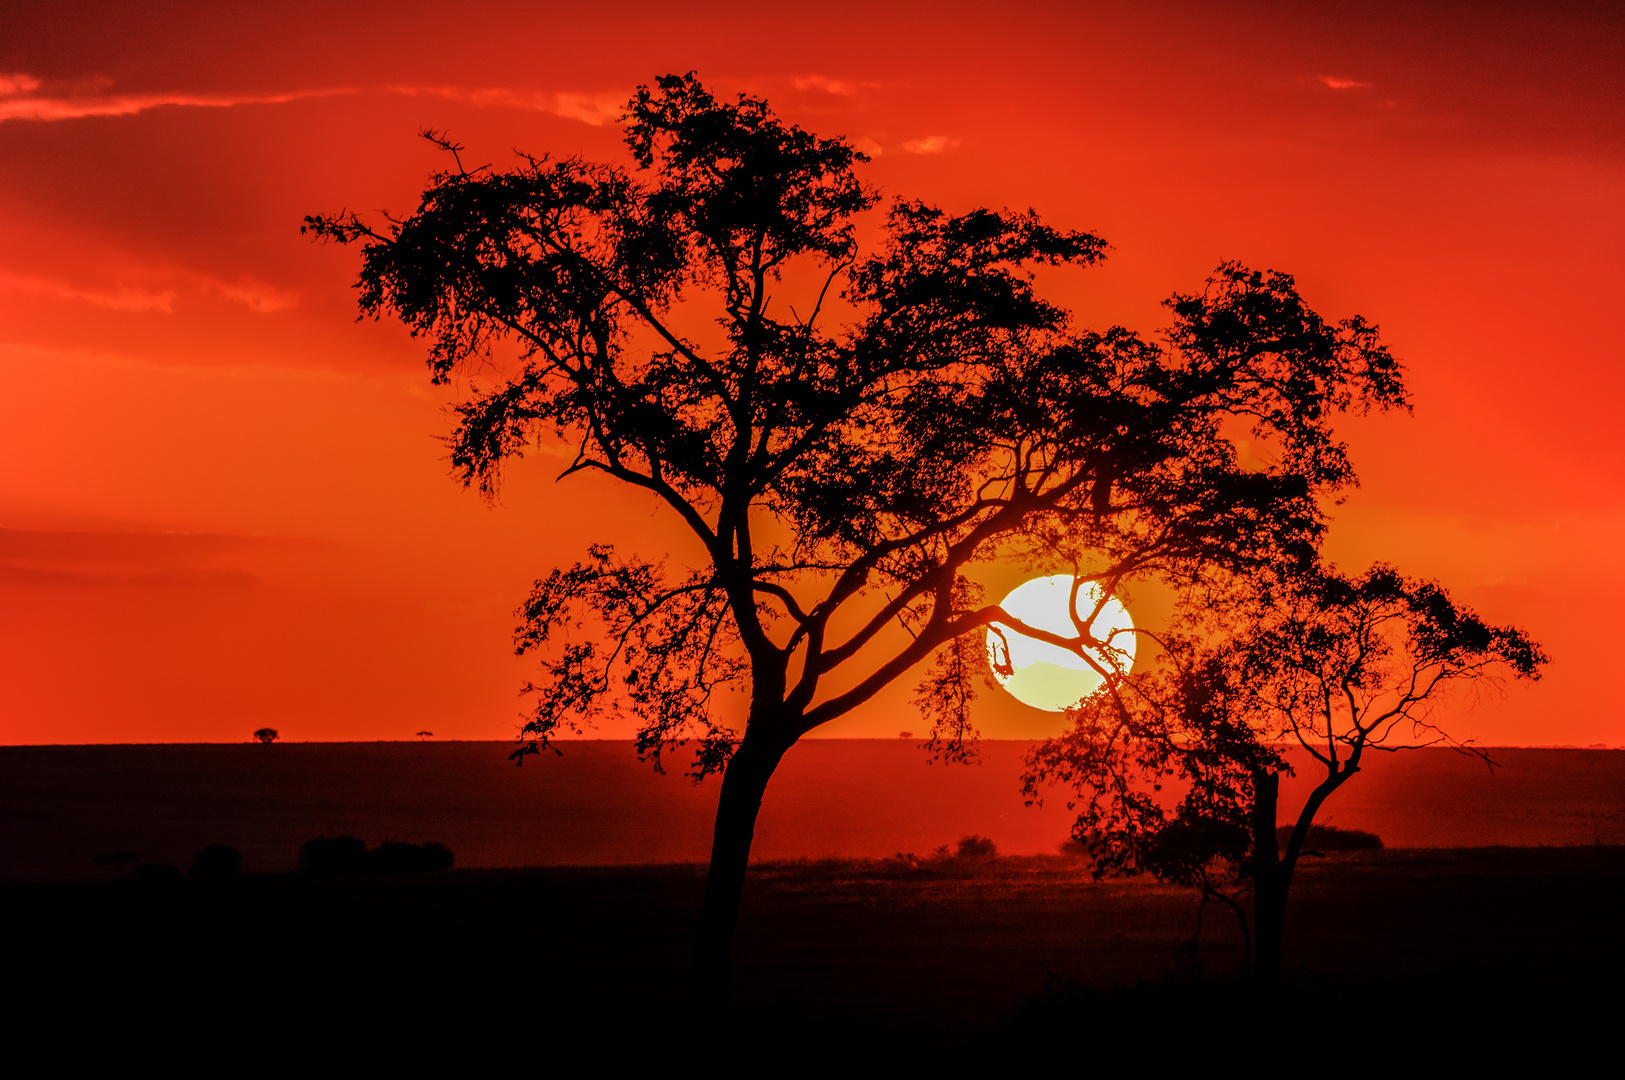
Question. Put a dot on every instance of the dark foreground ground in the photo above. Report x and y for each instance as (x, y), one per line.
(1463, 950)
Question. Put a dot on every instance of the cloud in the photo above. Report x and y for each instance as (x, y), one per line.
(123, 298)
(184, 577)
(14, 107)
(257, 296)
(12, 85)
(598, 111)
(1342, 84)
(19, 102)
(839, 87)
(931, 144)
(51, 558)
(594, 109)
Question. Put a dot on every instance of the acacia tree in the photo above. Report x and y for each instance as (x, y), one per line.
(1332, 665)
(848, 433)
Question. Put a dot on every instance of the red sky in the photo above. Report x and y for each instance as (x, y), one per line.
(222, 501)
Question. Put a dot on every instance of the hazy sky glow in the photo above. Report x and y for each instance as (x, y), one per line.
(222, 500)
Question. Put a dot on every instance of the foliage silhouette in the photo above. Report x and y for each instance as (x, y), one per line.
(217, 861)
(118, 860)
(975, 847)
(1334, 665)
(266, 735)
(393, 857)
(344, 856)
(155, 872)
(862, 426)
(1323, 838)
(333, 856)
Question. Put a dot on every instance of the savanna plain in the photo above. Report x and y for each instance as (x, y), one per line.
(916, 954)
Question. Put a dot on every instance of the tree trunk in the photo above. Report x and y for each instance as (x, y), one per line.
(1270, 882)
(743, 783)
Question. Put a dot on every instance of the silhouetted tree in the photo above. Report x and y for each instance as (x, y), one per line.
(1334, 665)
(843, 432)
(975, 847)
(155, 872)
(266, 735)
(394, 857)
(333, 856)
(118, 860)
(341, 856)
(217, 861)
(1323, 838)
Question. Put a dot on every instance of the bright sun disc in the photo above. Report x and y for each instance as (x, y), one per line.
(1047, 676)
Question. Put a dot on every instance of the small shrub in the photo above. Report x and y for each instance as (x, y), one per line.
(975, 846)
(266, 735)
(391, 857)
(217, 861)
(902, 861)
(345, 855)
(118, 860)
(1323, 838)
(155, 872)
(333, 856)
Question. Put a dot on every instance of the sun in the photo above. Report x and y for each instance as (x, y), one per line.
(1047, 676)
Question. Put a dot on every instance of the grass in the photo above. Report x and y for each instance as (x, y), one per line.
(913, 956)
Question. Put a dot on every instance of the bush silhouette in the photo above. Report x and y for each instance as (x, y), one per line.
(267, 735)
(975, 846)
(118, 860)
(1322, 838)
(392, 857)
(155, 872)
(333, 856)
(217, 861)
(345, 855)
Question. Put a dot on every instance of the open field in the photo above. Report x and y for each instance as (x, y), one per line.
(939, 955)
(890, 956)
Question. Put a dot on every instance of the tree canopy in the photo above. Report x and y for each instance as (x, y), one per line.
(953, 415)
(847, 405)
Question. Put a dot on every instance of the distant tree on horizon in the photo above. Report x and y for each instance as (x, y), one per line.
(975, 846)
(155, 872)
(395, 857)
(1323, 838)
(217, 862)
(346, 856)
(333, 856)
(844, 432)
(121, 861)
(267, 735)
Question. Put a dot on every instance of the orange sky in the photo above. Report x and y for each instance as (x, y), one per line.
(222, 499)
